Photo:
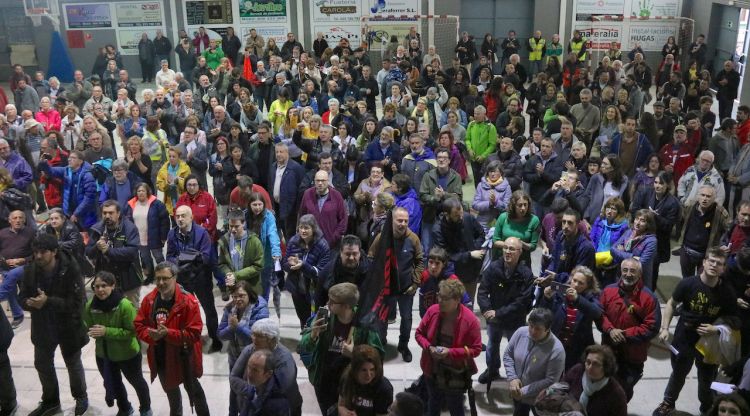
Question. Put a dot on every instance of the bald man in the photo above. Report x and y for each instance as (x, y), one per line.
(327, 206)
(189, 247)
(504, 297)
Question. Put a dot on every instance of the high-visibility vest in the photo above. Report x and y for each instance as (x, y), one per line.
(576, 46)
(536, 47)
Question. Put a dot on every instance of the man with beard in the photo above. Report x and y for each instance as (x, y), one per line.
(512, 165)
(632, 147)
(704, 222)
(541, 171)
(704, 299)
(351, 266)
(664, 125)
(738, 234)
(52, 290)
(588, 117)
(571, 249)
(630, 319)
(674, 88)
(461, 235)
(189, 247)
(409, 257)
(504, 118)
(113, 247)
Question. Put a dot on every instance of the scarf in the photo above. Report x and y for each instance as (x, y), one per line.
(494, 184)
(107, 305)
(247, 315)
(237, 255)
(589, 388)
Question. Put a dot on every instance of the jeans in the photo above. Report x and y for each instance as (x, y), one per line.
(690, 266)
(435, 399)
(175, 397)
(44, 362)
(112, 372)
(260, 99)
(681, 366)
(628, 374)
(9, 290)
(495, 335)
(8, 392)
(535, 67)
(405, 303)
(149, 258)
(218, 274)
(426, 237)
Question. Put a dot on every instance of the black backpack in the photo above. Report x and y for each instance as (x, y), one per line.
(15, 199)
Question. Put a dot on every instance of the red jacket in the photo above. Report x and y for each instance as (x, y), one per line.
(680, 158)
(637, 313)
(467, 333)
(743, 132)
(493, 106)
(53, 187)
(204, 211)
(49, 119)
(184, 327)
(236, 199)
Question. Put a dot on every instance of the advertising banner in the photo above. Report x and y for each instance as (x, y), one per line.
(264, 11)
(211, 12)
(651, 35)
(139, 14)
(128, 39)
(88, 16)
(655, 8)
(584, 9)
(333, 33)
(600, 34)
(391, 7)
(337, 10)
(278, 33)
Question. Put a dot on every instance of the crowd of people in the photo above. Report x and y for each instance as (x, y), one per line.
(267, 169)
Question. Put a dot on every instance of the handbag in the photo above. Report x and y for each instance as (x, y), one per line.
(452, 380)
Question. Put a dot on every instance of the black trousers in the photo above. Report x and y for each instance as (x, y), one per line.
(8, 392)
(203, 289)
(112, 372)
(681, 366)
(175, 397)
(44, 362)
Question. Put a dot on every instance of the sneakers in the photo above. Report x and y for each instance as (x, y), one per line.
(216, 346)
(82, 405)
(664, 409)
(405, 353)
(224, 294)
(126, 412)
(9, 409)
(46, 409)
(16, 322)
(488, 376)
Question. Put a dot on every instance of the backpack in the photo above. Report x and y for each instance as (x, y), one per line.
(15, 199)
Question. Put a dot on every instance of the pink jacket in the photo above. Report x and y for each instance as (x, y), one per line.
(50, 119)
(467, 333)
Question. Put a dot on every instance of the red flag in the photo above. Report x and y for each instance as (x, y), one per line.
(382, 281)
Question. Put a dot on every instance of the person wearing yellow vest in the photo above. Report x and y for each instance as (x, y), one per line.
(554, 50)
(537, 49)
(577, 46)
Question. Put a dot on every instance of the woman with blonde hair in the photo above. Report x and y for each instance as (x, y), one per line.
(171, 179)
(138, 161)
(579, 298)
(91, 125)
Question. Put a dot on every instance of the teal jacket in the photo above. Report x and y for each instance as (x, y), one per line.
(119, 342)
(319, 347)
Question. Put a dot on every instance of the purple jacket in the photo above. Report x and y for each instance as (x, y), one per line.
(481, 202)
(599, 227)
(332, 219)
(644, 248)
(20, 170)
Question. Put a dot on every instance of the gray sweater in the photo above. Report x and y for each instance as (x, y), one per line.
(537, 364)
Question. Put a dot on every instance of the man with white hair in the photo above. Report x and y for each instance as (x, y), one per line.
(17, 166)
(265, 334)
(704, 222)
(97, 97)
(219, 125)
(481, 139)
(702, 173)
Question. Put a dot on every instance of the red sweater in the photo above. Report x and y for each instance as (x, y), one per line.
(467, 333)
(204, 211)
(743, 132)
(236, 199)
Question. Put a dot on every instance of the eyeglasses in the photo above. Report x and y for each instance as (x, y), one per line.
(158, 279)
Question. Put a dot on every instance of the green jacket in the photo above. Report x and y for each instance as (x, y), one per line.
(319, 348)
(481, 139)
(430, 202)
(119, 343)
(252, 261)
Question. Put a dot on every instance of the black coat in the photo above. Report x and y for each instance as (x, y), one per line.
(6, 335)
(539, 183)
(459, 241)
(509, 296)
(667, 215)
(60, 320)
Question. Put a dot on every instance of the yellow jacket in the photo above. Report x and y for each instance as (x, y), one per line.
(536, 48)
(278, 120)
(171, 194)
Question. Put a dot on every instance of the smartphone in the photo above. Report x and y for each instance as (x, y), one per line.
(560, 287)
(323, 313)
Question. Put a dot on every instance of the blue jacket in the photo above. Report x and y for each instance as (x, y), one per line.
(79, 185)
(644, 249)
(599, 228)
(157, 218)
(373, 154)
(410, 201)
(272, 401)
(290, 180)
(568, 255)
(589, 311)
(20, 170)
(239, 337)
(269, 237)
(642, 151)
(109, 189)
(303, 281)
(197, 239)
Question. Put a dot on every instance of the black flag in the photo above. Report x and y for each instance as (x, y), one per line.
(382, 282)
